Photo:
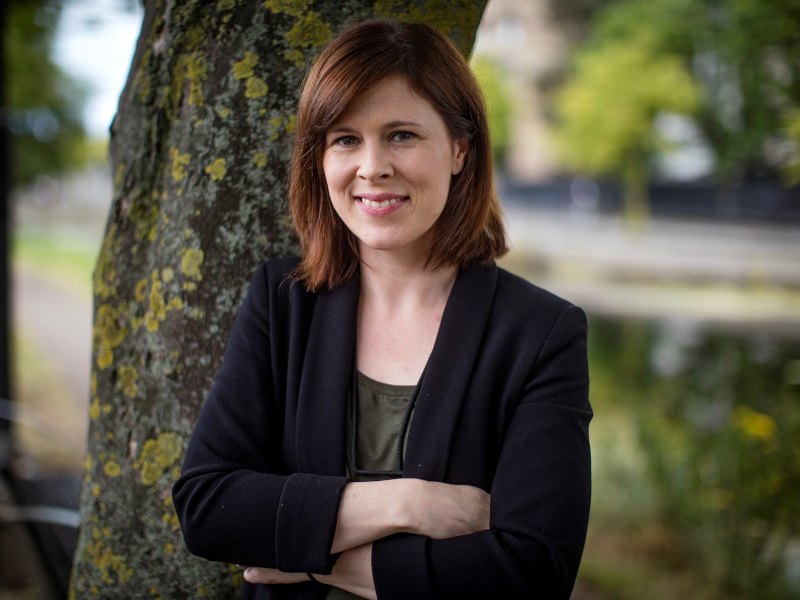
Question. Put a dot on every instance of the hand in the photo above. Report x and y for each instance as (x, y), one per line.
(444, 510)
(373, 510)
(353, 572)
(265, 575)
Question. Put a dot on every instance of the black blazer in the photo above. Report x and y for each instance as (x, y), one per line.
(503, 405)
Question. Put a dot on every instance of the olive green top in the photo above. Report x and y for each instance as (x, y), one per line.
(381, 410)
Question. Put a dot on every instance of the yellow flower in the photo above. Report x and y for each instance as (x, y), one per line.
(754, 424)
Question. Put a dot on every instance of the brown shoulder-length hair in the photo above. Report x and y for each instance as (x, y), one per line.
(470, 229)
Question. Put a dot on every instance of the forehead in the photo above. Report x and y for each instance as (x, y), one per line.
(392, 98)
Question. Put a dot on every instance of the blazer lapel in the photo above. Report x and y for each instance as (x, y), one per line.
(327, 369)
(448, 373)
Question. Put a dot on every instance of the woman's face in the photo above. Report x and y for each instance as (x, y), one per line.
(388, 163)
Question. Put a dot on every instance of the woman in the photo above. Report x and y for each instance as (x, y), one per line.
(395, 416)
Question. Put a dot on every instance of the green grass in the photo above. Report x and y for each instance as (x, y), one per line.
(65, 259)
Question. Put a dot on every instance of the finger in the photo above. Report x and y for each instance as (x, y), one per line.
(265, 575)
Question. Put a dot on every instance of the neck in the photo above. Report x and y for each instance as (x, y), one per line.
(394, 284)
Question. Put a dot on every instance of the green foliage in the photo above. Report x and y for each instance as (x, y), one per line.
(498, 105)
(718, 419)
(47, 133)
(791, 166)
(744, 59)
(607, 112)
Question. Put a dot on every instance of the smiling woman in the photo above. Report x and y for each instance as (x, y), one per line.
(388, 163)
(395, 416)
(435, 77)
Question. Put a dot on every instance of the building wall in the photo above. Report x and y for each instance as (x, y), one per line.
(521, 37)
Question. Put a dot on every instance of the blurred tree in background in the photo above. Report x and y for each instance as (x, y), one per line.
(492, 80)
(743, 56)
(609, 114)
(44, 103)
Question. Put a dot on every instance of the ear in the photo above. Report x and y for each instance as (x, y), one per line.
(460, 149)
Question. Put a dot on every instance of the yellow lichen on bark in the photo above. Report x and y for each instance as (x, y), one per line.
(170, 517)
(127, 380)
(140, 290)
(255, 88)
(242, 69)
(158, 456)
(118, 175)
(260, 159)
(108, 334)
(294, 8)
(111, 468)
(113, 567)
(216, 169)
(157, 309)
(105, 273)
(179, 163)
(94, 408)
(310, 31)
(191, 71)
(191, 261)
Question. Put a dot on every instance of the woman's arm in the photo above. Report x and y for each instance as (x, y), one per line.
(234, 499)
(373, 510)
(352, 572)
(539, 496)
(376, 509)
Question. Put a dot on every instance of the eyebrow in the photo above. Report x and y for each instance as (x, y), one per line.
(389, 125)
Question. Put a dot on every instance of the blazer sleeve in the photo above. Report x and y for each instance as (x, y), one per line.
(233, 501)
(540, 496)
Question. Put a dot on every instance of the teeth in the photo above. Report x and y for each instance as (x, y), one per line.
(382, 204)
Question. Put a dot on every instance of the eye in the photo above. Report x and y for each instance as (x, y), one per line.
(402, 136)
(345, 140)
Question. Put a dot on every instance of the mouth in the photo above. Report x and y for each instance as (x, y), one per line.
(380, 200)
(375, 203)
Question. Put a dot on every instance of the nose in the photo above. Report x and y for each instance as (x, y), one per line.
(375, 163)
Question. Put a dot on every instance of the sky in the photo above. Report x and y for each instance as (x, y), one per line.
(95, 44)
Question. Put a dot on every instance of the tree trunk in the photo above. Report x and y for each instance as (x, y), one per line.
(636, 199)
(199, 155)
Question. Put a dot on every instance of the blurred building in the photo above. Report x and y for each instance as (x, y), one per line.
(523, 39)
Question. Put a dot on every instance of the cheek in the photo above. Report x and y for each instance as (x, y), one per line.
(337, 175)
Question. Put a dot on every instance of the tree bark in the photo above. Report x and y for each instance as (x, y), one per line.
(199, 154)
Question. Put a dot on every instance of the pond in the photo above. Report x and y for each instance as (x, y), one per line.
(696, 455)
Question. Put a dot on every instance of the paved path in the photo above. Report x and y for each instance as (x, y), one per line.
(56, 325)
(709, 271)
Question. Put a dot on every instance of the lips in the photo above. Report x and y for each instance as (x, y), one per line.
(381, 204)
(380, 200)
